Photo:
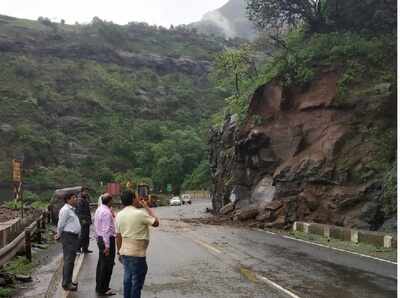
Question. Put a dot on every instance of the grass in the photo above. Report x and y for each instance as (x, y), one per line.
(40, 204)
(6, 292)
(14, 205)
(361, 248)
(20, 266)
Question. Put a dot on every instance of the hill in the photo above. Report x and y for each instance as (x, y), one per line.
(101, 102)
(310, 134)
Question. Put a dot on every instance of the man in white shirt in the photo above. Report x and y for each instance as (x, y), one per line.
(68, 230)
(133, 235)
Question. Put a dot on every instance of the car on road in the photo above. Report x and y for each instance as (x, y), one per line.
(186, 199)
(175, 201)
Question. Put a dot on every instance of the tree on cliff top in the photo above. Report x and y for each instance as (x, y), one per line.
(374, 16)
(267, 14)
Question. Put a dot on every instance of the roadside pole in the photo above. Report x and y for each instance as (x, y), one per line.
(17, 179)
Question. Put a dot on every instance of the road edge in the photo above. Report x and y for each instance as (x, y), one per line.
(56, 276)
(326, 246)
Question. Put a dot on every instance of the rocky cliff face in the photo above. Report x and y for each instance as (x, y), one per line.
(309, 154)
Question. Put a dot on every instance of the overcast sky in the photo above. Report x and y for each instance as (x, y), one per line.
(160, 12)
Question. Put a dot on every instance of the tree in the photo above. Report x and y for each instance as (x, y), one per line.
(169, 171)
(324, 15)
(372, 16)
(234, 66)
(268, 14)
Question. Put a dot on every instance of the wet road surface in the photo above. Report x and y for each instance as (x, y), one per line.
(195, 260)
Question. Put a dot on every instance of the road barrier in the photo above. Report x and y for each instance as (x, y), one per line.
(198, 194)
(15, 235)
(377, 239)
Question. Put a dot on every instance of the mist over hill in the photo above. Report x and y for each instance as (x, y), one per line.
(229, 21)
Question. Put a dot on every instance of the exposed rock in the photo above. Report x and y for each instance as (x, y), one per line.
(306, 154)
(257, 225)
(6, 128)
(265, 216)
(70, 122)
(263, 192)
(227, 209)
(274, 205)
(245, 214)
(389, 225)
(161, 64)
(279, 223)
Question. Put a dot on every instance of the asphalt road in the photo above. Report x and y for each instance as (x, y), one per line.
(195, 260)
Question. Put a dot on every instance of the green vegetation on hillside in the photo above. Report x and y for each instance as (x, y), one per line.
(80, 115)
(355, 39)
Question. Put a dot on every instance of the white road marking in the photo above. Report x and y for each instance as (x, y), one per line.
(339, 249)
(259, 277)
(77, 269)
(276, 286)
(264, 231)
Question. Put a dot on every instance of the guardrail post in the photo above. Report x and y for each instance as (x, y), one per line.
(327, 231)
(387, 241)
(306, 228)
(38, 230)
(354, 236)
(28, 245)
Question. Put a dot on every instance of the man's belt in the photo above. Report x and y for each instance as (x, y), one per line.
(70, 233)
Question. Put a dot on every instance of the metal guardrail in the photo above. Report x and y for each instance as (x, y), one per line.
(198, 194)
(377, 239)
(22, 240)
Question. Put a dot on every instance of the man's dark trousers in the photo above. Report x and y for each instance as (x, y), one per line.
(85, 218)
(104, 265)
(70, 243)
(84, 242)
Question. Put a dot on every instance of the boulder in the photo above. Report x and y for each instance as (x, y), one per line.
(263, 192)
(274, 205)
(226, 209)
(279, 223)
(245, 214)
(265, 216)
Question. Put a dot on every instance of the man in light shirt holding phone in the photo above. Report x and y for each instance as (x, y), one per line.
(133, 236)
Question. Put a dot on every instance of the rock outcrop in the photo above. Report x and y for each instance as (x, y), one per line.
(105, 54)
(312, 154)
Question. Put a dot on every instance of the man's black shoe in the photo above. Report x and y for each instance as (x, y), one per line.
(87, 251)
(71, 288)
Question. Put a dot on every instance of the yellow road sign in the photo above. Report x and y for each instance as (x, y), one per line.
(17, 170)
